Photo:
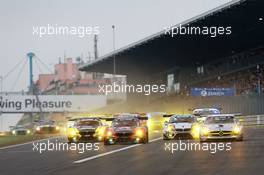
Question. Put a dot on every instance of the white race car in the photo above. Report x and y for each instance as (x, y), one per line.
(179, 126)
(201, 113)
(221, 126)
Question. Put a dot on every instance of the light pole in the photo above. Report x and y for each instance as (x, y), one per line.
(1, 117)
(113, 27)
(1, 79)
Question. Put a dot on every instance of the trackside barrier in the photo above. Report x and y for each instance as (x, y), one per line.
(252, 120)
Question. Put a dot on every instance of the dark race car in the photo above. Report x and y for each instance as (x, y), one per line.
(127, 128)
(85, 129)
(47, 127)
(20, 130)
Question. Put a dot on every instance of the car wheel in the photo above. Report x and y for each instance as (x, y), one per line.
(165, 137)
(145, 140)
(106, 142)
(70, 140)
(240, 139)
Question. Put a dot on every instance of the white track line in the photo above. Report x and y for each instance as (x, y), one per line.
(21, 144)
(111, 152)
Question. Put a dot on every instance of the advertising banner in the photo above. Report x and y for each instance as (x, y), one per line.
(205, 92)
(50, 103)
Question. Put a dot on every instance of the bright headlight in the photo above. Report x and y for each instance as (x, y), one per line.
(205, 131)
(73, 131)
(101, 131)
(236, 129)
(170, 128)
(28, 131)
(196, 129)
(13, 132)
(149, 124)
(38, 128)
(109, 133)
(57, 127)
(139, 133)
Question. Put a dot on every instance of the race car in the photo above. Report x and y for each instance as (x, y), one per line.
(84, 129)
(155, 121)
(46, 127)
(127, 128)
(221, 126)
(20, 130)
(201, 113)
(179, 126)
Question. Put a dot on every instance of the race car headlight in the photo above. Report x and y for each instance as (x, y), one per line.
(38, 128)
(28, 131)
(101, 131)
(149, 124)
(139, 133)
(237, 130)
(13, 132)
(196, 129)
(57, 128)
(205, 131)
(171, 128)
(109, 134)
(73, 132)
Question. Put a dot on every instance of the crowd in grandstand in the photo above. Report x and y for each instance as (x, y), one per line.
(243, 71)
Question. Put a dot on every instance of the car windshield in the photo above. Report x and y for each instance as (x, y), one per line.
(181, 119)
(88, 123)
(219, 119)
(19, 127)
(120, 123)
(206, 112)
(46, 122)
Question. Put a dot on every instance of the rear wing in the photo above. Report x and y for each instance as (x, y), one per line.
(142, 118)
(218, 108)
(112, 118)
(167, 115)
(107, 118)
(237, 114)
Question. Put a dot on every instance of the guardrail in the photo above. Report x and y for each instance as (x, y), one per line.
(252, 120)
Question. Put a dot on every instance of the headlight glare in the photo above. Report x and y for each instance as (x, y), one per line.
(139, 133)
(205, 131)
(236, 129)
(171, 128)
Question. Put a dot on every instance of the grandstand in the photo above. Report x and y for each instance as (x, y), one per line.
(234, 60)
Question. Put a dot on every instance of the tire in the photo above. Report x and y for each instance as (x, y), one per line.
(145, 140)
(106, 142)
(70, 140)
(240, 139)
(165, 137)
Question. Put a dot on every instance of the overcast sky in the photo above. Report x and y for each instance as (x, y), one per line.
(133, 19)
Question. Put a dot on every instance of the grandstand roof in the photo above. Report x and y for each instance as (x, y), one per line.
(161, 52)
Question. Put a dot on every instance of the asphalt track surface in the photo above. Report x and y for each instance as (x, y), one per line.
(245, 157)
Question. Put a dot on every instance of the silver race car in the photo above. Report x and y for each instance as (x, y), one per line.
(221, 126)
(179, 126)
(20, 130)
(201, 113)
